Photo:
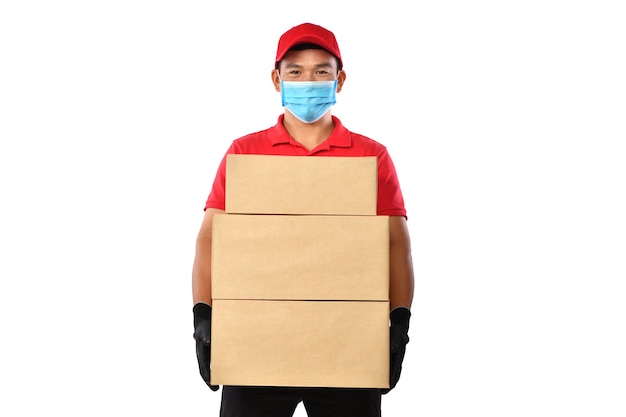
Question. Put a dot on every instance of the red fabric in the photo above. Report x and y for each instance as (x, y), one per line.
(307, 33)
(341, 142)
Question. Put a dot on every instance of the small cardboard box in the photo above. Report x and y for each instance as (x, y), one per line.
(300, 343)
(274, 184)
(300, 257)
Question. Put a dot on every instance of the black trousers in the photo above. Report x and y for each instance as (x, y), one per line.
(282, 402)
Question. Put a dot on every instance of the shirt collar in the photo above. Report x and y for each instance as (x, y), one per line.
(340, 136)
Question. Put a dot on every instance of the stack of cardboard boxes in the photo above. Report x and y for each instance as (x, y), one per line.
(300, 274)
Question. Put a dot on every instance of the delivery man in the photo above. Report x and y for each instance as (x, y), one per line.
(308, 74)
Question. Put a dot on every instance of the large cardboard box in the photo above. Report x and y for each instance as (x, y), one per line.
(300, 257)
(275, 184)
(300, 343)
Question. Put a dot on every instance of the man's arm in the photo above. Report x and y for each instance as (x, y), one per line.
(400, 295)
(201, 273)
(401, 281)
(201, 288)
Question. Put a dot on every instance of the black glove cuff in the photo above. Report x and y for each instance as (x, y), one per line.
(201, 311)
(400, 317)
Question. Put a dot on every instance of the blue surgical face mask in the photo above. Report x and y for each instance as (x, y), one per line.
(308, 101)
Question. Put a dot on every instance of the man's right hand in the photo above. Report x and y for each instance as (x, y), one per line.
(202, 334)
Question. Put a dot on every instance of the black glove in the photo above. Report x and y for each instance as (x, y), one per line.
(398, 339)
(202, 334)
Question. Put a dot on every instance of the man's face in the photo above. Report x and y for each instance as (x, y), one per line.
(308, 65)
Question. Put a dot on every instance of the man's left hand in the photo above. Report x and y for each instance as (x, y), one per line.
(398, 339)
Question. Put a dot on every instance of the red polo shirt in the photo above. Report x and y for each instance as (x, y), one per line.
(341, 142)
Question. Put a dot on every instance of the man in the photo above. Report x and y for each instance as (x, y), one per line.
(308, 73)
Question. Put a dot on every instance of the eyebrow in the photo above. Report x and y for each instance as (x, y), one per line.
(325, 65)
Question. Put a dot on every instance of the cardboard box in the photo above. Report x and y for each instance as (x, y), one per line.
(272, 184)
(300, 343)
(300, 257)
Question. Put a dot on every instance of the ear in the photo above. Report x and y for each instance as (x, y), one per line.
(341, 78)
(276, 80)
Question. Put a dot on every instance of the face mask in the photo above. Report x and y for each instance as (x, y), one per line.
(308, 101)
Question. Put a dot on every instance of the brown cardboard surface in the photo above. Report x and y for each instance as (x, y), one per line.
(300, 257)
(273, 184)
(300, 343)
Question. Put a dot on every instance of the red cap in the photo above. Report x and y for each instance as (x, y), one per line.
(308, 33)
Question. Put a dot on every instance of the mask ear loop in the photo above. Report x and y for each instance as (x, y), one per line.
(282, 88)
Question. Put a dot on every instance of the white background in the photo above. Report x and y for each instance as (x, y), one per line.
(506, 122)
